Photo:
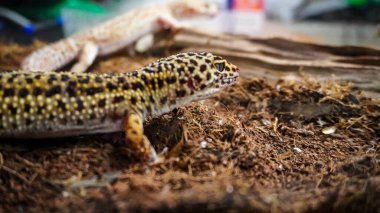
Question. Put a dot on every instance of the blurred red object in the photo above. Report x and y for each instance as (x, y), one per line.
(248, 5)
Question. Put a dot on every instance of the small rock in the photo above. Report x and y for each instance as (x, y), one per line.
(203, 144)
(329, 130)
(296, 149)
(229, 189)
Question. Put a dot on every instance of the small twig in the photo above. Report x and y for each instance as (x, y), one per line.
(27, 162)
(1, 159)
(13, 172)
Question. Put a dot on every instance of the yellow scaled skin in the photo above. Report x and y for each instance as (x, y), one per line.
(35, 105)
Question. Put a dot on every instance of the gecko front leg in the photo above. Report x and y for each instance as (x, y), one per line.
(86, 58)
(138, 142)
(168, 21)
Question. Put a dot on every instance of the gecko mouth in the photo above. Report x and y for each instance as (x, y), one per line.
(229, 80)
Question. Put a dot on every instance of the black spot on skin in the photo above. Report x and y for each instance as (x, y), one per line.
(23, 92)
(118, 99)
(79, 122)
(39, 110)
(203, 86)
(12, 109)
(98, 79)
(147, 70)
(208, 61)
(111, 86)
(181, 55)
(134, 73)
(197, 78)
(52, 78)
(192, 61)
(198, 57)
(11, 79)
(92, 116)
(29, 80)
(83, 80)
(159, 69)
(208, 76)
(227, 68)
(27, 107)
(142, 100)
(153, 84)
(37, 91)
(179, 61)
(182, 81)
(171, 80)
(137, 86)
(126, 86)
(144, 78)
(9, 92)
(151, 99)
(180, 93)
(133, 100)
(181, 70)
(64, 77)
(191, 54)
(166, 66)
(61, 104)
(53, 91)
(164, 100)
(71, 88)
(80, 105)
(203, 68)
(38, 77)
(120, 80)
(191, 69)
(93, 90)
(160, 83)
(217, 58)
(149, 109)
(28, 121)
(102, 103)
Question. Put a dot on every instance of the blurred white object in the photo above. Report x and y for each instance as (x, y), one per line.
(283, 10)
(289, 10)
(77, 20)
(242, 17)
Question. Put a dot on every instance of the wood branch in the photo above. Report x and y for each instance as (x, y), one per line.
(276, 58)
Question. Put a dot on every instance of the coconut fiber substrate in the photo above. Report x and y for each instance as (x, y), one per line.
(262, 145)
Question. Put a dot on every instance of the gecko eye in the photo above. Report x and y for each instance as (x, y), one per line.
(220, 66)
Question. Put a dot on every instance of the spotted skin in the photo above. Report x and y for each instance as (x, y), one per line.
(115, 34)
(35, 105)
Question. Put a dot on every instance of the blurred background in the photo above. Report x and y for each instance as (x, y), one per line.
(338, 22)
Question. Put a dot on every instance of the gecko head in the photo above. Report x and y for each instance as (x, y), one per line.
(191, 8)
(198, 75)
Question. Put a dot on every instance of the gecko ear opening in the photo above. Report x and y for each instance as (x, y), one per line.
(190, 84)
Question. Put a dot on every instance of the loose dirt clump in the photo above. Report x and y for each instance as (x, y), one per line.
(257, 146)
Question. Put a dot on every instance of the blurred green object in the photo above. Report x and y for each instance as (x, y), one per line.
(361, 3)
(52, 10)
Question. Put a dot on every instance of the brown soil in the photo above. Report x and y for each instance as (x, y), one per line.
(257, 146)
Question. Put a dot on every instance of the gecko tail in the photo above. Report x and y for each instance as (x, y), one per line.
(51, 57)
